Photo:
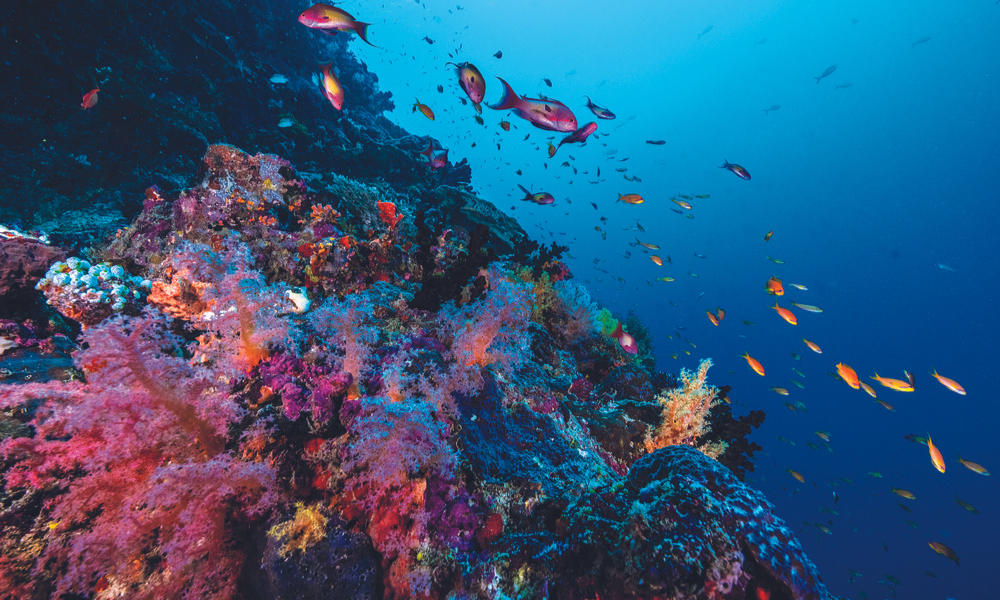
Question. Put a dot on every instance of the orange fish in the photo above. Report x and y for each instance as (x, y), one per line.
(951, 384)
(849, 376)
(893, 384)
(786, 314)
(936, 459)
(332, 90)
(90, 99)
(712, 318)
(774, 287)
(756, 366)
(812, 346)
(720, 313)
(767, 236)
(424, 109)
(780, 391)
(656, 259)
(797, 475)
(630, 199)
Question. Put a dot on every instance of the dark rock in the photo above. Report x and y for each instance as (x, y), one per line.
(22, 263)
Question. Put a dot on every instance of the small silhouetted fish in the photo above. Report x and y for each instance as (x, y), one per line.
(547, 81)
(774, 107)
(704, 31)
(829, 71)
(761, 41)
(441, 89)
(656, 142)
(843, 86)
(920, 41)
(428, 40)
(499, 54)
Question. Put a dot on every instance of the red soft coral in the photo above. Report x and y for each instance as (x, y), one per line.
(135, 467)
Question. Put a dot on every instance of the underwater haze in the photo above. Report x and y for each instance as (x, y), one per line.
(879, 182)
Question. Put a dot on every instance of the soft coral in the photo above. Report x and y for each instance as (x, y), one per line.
(133, 461)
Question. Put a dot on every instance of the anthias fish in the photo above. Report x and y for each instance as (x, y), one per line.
(599, 111)
(330, 19)
(89, 99)
(331, 88)
(540, 198)
(737, 169)
(471, 81)
(829, 71)
(550, 115)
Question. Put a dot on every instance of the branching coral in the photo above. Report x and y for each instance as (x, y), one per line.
(685, 411)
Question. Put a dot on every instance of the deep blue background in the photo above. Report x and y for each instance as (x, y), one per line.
(867, 189)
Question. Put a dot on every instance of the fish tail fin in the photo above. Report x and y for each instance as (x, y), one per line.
(725, 164)
(527, 194)
(619, 198)
(817, 79)
(618, 331)
(362, 30)
(508, 100)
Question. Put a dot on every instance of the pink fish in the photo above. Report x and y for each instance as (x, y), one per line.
(472, 82)
(90, 99)
(541, 198)
(626, 341)
(551, 115)
(330, 20)
(435, 158)
(735, 168)
(579, 136)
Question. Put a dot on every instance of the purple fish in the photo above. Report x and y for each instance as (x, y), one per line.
(435, 158)
(472, 82)
(550, 115)
(540, 198)
(577, 137)
(735, 168)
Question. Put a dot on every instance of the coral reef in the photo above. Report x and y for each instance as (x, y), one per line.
(436, 414)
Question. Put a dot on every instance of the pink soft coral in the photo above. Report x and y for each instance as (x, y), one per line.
(134, 463)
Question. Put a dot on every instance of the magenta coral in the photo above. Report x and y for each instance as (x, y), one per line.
(138, 453)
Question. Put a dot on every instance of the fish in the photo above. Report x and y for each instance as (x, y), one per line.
(813, 346)
(599, 111)
(808, 307)
(552, 150)
(435, 158)
(656, 142)
(774, 287)
(550, 115)
(798, 372)
(797, 384)
(875, 474)
(471, 81)
(331, 88)
(944, 267)
(541, 198)
(286, 122)
(703, 196)
(440, 88)
(823, 435)
(737, 169)
(848, 375)
(712, 318)
(824, 528)
(498, 54)
(799, 286)
(974, 467)
(754, 364)
(886, 405)
(681, 203)
(922, 40)
(481, 122)
(428, 40)
(626, 341)
(868, 389)
(903, 493)
(668, 279)
(778, 390)
(776, 261)
(424, 109)
(786, 314)
(656, 260)
(951, 384)
(944, 551)
(705, 30)
(829, 71)
(630, 199)
(966, 505)
(90, 99)
(577, 137)
(720, 313)
(773, 108)
(278, 78)
(893, 384)
(936, 459)
(645, 245)
(767, 236)
(842, 86)
(547, 81)
(797, 475)
(330, 20)
(912, 524)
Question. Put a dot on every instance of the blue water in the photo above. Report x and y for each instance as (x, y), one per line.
(868, 189)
